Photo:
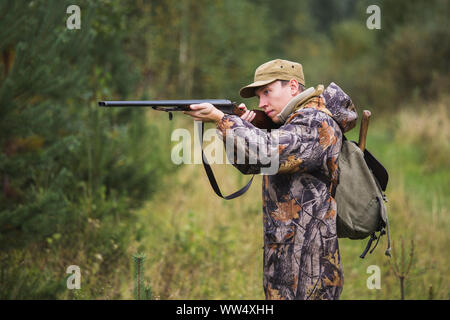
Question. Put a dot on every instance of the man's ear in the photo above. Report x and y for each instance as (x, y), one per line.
(293, 85)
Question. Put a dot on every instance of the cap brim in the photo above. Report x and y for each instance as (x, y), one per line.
(249, 91)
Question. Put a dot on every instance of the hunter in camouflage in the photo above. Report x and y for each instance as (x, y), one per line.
(301, 251)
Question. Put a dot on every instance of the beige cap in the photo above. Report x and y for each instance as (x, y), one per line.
(271, 71)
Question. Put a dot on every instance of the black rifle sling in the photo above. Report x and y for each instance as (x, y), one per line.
(212, 179)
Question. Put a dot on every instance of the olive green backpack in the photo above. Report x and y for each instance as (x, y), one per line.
(360, 198)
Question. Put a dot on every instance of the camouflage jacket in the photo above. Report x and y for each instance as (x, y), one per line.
(301, 253)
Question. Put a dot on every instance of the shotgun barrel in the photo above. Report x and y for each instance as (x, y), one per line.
(166, 103)
(261, 120)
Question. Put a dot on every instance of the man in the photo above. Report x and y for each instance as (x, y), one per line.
(301, 252)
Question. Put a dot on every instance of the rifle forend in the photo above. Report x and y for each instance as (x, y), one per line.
(261, 120)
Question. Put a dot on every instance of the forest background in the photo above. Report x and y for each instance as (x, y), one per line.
(91, 187)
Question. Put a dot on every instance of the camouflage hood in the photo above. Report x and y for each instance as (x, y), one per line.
(341, 107)
(338, 105)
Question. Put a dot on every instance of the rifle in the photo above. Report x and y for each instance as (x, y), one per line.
(261, 120)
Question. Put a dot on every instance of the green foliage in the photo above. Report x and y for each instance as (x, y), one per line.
(73, 175)
(70, 172)
(196, 47)
(405, 59)
(30, 282)
(416, 55)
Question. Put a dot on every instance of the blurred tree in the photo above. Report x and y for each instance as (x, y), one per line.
(199, 48)
(329, 12)
(66, 165)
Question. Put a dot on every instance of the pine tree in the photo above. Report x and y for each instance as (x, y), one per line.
(66, 166)
(141, 291)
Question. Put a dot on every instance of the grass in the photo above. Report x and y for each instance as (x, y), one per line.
(199, 246)
(193, 238)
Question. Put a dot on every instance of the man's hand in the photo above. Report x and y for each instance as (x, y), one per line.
(205, 112)
(248, 115)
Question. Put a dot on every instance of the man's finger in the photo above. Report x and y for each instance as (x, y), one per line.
(252, 116)
(242, 106)
(198, 106)
(192, 113)
(245, 115)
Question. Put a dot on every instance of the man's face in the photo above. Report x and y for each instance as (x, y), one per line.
(273, 98)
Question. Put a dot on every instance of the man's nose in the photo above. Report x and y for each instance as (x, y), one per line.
(262, 103)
